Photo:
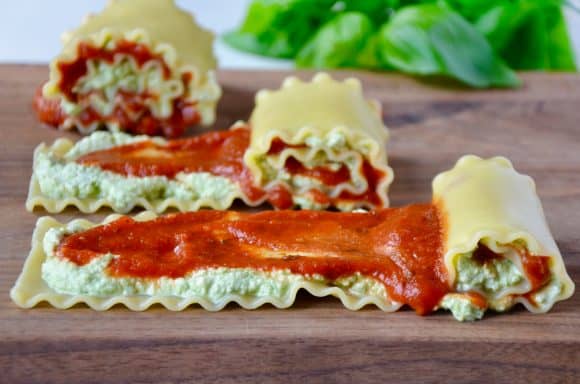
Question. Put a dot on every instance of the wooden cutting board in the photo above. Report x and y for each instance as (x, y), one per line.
(317, 341)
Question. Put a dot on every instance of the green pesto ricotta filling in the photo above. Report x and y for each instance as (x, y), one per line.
(489, 278)
(461, 307)
(326, 151)
(61, 178)
(549, 294)
(101, 140)
(213, 284)
(492, 279)
(103, 81)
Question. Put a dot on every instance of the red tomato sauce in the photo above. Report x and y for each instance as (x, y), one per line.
(277, 146)
(130, 112)
(221, 153)
(325, 175)
(48, 110)
(331, 178)
(373, 177)
(72, 71)
(537, 270)
(400, 247)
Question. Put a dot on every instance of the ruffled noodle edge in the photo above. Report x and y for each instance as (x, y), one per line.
(374, 151)
(205, 90)
(382, 188)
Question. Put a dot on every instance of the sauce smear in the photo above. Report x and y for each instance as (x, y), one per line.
(221, 153)
(400, 247)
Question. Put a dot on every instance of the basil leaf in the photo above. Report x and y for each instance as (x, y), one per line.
(541, 42)
(379, 11)
(529, 34)
(471, 10)
(335, 44)
(528, 45)
(500, 22)
(368, 57)
(560, 49)
(431, 39)
(279, 28)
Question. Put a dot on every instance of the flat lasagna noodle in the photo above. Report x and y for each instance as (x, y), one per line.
(30, 289)
(335, 158)
(482, 243)
(140, 66)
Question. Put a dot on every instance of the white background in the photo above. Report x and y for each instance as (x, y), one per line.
(30, 29)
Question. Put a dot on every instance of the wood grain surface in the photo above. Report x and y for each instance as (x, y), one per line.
(317, 341)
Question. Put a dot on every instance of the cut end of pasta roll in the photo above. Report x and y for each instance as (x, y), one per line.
(320, 143)
(498, 246)
(139, 66)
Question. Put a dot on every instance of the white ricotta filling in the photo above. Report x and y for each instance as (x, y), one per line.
(213, 284)
(491, 277)
(461, 307)
(60, 178)
(331, 152)
(101, 140)
(103, 81)
(499, 280)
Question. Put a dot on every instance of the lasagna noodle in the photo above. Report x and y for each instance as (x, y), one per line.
(59, 150)
(478, 202)
(487, 202)
(59, 180)
(30, 289)
(168, 32)
(311, 119)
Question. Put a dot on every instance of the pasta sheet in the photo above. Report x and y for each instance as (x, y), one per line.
(36, 198)
(30, 289)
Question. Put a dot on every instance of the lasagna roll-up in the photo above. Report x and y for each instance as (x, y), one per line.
(481, 243)
(497, 242)
(321, 144)
(139, 66)
(333, 155)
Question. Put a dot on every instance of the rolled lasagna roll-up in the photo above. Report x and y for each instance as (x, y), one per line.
(139, 66)
(497, 242)
(482, 243)
(321, 144)
(341, 162)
